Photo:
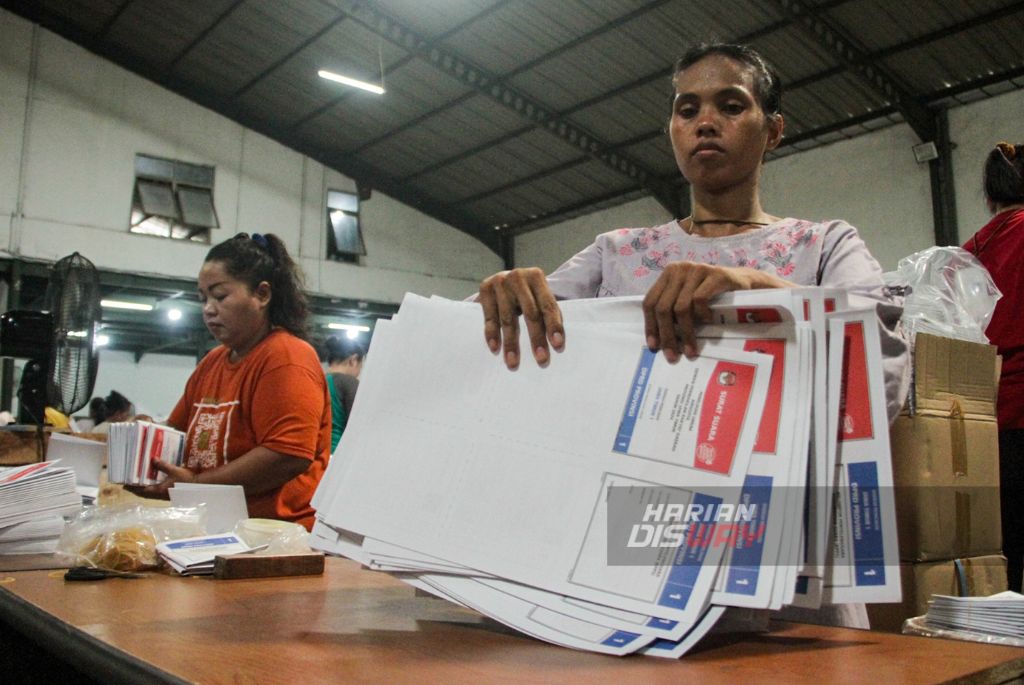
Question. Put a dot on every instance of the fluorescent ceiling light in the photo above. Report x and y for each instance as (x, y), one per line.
(174, 314)
(120, 304)
(102, 340)
(348, 327)
(355, 83)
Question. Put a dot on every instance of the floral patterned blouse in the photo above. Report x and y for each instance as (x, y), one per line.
(628, 261)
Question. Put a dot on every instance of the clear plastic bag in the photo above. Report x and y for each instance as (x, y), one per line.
(918, 625)
(946, 291)
(280, 537)
(124, 538)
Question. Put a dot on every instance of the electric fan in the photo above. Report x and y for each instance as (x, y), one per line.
(58, 342)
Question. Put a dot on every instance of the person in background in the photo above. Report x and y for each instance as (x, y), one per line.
(999, 245)
(256, 410)
(110, 409)
(726, 114)
(344, 362)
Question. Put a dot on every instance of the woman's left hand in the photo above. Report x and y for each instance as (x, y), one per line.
(681, 297)
(175, 474)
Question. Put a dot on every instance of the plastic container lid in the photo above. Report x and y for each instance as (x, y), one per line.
(262, 531)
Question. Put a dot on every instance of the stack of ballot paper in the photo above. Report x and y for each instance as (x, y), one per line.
(85, 457)
(39, 536)
(1001, 614)
(134, 447)
(37, 493)
(613, 501)
(195, 556)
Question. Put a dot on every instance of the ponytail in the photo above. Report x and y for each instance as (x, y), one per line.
(1004, 174)
(264, 257)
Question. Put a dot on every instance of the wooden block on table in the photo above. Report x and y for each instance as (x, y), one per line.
(267, 566)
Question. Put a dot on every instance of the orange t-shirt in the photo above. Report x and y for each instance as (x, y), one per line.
(275, 397)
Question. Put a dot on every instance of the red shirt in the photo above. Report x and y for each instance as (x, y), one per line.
(275, 397)
(999, 245)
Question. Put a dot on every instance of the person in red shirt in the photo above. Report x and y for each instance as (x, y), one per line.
(999, 245)
(256, 410)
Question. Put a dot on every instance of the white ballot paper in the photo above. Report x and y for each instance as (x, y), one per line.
(195, 556)
(484, 490)
(611, 501)
(864, 556)
(85, 457)
(775, 483)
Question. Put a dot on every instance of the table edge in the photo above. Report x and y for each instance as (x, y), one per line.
(90, 655)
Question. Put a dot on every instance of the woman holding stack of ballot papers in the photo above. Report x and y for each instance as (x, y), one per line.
(726, 114)
(256, 410)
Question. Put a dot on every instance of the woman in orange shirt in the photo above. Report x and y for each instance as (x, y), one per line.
(256, 409)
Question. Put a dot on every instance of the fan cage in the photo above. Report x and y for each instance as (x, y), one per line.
(73, 297)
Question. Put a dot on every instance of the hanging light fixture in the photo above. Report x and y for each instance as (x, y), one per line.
(356, 83)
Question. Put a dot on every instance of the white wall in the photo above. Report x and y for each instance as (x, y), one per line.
(872, 181)
(976, 129)
(72, 124)
(153, 386)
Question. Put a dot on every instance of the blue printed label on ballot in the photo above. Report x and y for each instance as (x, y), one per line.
(689, 561)
(748, 542)
(634, 401)
(866, 524)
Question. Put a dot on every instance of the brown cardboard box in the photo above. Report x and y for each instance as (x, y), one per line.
(20, 445)
(945, 453)
(970, 577)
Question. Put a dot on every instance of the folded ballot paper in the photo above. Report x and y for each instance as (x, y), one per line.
(196, 556)
(999, 615)
(36, 493)
(612, 501)
(134, 447)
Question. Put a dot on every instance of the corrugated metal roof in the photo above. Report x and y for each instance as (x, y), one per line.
(520, 113)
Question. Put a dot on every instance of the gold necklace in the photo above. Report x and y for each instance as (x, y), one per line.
(732, 222)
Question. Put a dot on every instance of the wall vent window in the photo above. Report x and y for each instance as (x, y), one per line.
(173, 199)
(344, 234)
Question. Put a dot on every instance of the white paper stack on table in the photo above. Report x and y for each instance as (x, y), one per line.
(1001, 614)
(39, 536)
(85, 457)
(615, 502)
(37, 492)
(195, 556)
(134, 447)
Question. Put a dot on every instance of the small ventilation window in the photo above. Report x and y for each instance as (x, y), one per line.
(173, 199)
(344, 234)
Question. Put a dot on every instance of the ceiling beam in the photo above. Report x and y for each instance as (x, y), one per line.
(844, 47)
(277, 64)
(523, 104)
(112, 19)
(924, 39)
(203, 34)
(394, 66)
(525, 66)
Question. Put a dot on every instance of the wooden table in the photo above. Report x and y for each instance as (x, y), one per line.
(353, 625)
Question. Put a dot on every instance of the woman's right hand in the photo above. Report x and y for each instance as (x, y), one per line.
(506, 295)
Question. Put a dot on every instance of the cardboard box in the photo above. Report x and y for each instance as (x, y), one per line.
(970, 577)
(20, 445)
(945, 454)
